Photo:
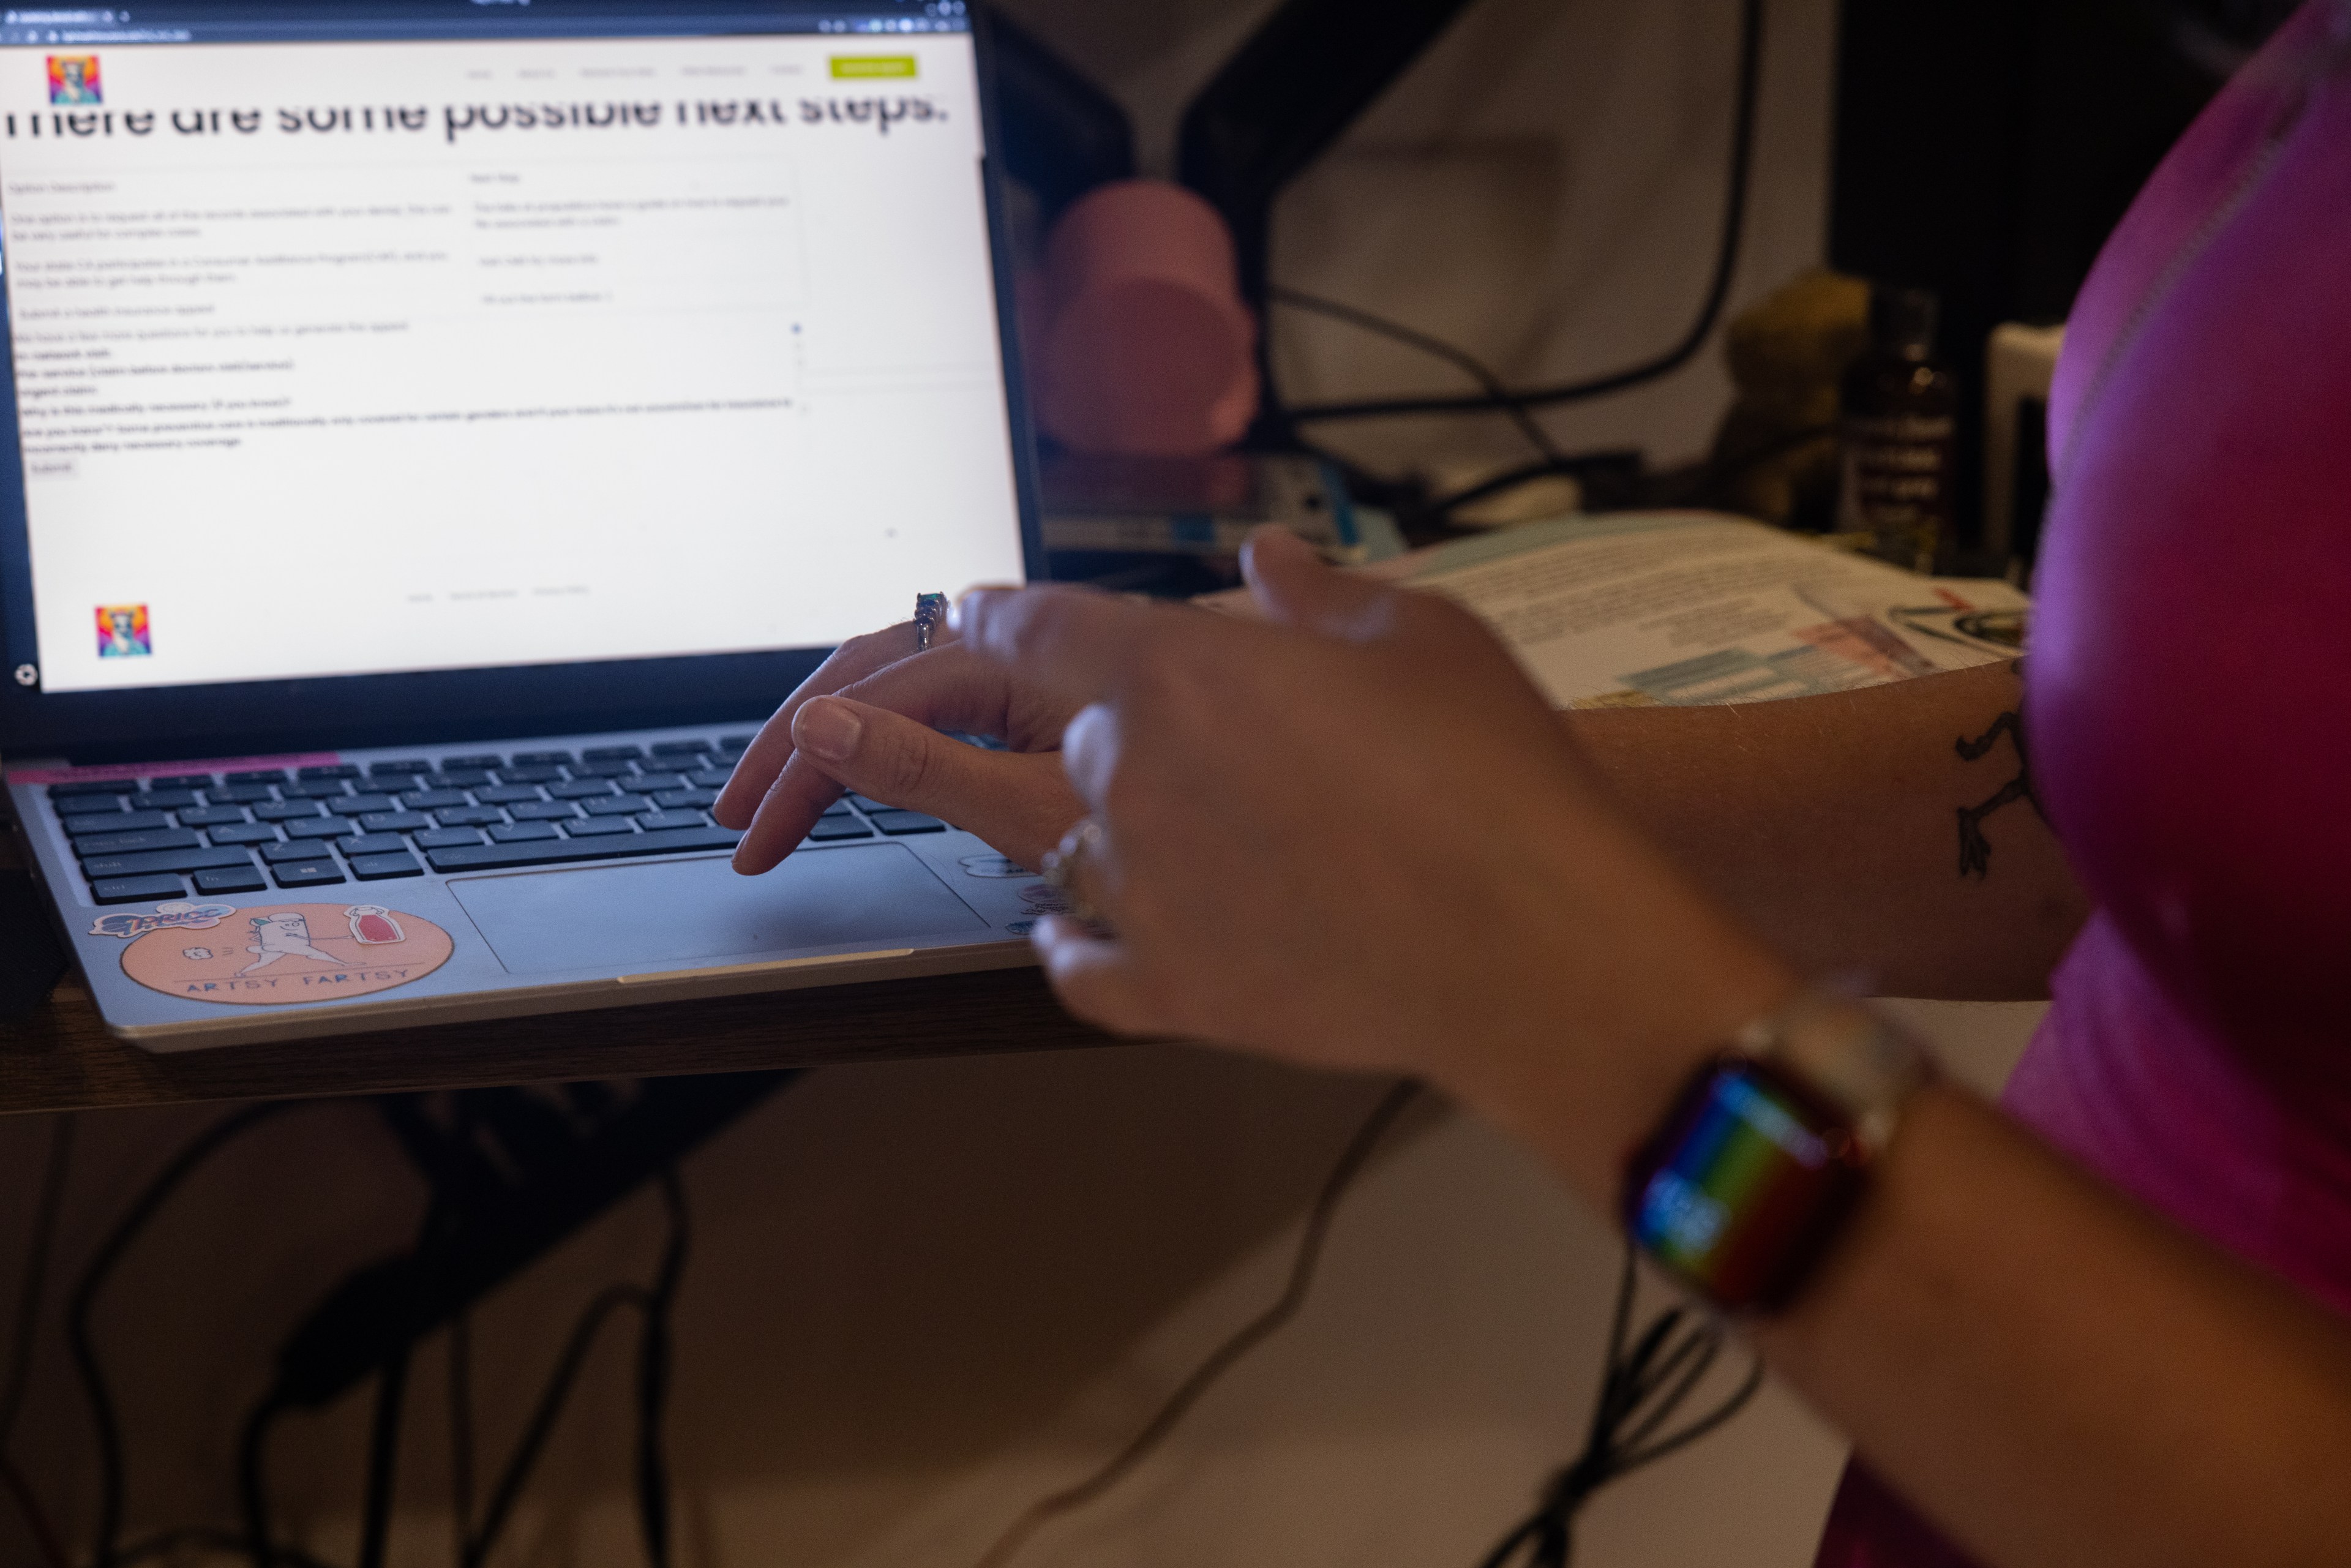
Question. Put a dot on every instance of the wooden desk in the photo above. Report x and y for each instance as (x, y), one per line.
(61, 1057)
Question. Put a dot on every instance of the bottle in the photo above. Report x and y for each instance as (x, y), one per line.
(1898, 436)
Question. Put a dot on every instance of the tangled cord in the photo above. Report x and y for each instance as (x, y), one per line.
(1639, 1393)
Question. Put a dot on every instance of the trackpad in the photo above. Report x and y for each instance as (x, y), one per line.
(625, 916)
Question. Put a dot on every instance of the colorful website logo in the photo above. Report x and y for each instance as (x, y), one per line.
(122, 632)
(73, 79)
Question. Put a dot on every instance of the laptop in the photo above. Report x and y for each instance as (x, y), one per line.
(437, 432)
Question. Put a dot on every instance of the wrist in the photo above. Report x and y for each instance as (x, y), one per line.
(1584, 1078)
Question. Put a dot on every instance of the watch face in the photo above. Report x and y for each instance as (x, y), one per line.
(1744, 1183)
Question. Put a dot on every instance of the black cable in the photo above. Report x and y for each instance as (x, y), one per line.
(104, 1422)
(44, 1534)
(461, 1432)
(541, 1425)
(46, 1210)
(383, 1456)
(1221, 1360)
(653, 1378)
(1459, 357)
(1641, 1390)
(1726, 267)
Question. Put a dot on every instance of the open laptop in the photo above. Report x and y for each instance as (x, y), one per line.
(438, 431)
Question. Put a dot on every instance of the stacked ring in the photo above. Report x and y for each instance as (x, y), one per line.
(1061, 865)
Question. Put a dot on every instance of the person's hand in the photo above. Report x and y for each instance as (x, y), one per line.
(865, 721)
(1357, 836)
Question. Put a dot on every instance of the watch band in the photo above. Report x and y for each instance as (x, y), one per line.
(1752, 1173)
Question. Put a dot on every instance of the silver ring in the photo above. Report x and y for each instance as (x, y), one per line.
(1061, 865)
(930, 610)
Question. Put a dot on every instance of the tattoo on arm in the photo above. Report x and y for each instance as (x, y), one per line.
(1975, 850)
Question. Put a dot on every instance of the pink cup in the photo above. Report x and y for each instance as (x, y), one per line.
(1144, 348)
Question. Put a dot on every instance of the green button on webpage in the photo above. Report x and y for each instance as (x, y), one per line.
(846, 65)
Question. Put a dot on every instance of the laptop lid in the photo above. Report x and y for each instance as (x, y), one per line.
(414, 370)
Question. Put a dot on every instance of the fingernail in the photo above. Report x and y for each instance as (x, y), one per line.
(828, 730)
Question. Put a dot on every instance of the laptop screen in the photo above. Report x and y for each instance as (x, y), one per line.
(451, 335)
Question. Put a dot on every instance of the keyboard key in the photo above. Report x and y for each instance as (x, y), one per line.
(898, 824)
(533, 773)
(735, 742)
(306, 874)
(89, 805)
(380, 868)
(598, 827)
(259, 775)
(864, 804)
(169, 799)
(93, 787)
(328, 771)
(485, 761)
(682, 747)
(246, 880)
(305, 850)
(244, 834)
(512, 833)
(543, 812)
(90, 844)
(181, 781)
(322, 828)
(286, 811)
(540, 760)
(353, 805)
(616, 805)
(838, 809)
(545, 852)
(447, 838)
(508, 794)
(394, 821)
(433, 799)
(120, 823)
(160, 860)
(710, 777)
(470, 817)
(685, 799)
(611, 769)
(830, 828)
(612, 754)
(450, 777)
(136, 889)
(666, 822)
(212, 816)
(313, 790)
(239, 794)
(399, 765)
(372, 844)
(580, 788)
(647, 783)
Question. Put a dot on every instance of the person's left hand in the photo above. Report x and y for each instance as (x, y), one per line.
(869, 720)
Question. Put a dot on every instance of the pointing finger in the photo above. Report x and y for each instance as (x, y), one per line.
(1292, 583)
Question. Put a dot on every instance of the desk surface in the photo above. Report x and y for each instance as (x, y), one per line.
(62, 1058)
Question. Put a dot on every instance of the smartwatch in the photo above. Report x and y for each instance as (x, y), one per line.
(1753, 1172)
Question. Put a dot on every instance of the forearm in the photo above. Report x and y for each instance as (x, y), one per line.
(2058, 1378)
(1854, 832)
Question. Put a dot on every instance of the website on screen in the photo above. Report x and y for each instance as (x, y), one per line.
(360, 358)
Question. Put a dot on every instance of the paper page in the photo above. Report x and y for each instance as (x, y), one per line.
(1689, 607)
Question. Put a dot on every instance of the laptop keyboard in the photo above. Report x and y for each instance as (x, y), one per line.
(314, 827)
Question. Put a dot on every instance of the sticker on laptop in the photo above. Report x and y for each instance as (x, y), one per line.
(281, 953)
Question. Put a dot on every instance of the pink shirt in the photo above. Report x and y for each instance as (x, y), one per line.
(2188, 699)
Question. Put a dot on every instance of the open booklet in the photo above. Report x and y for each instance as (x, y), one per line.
(1631, 608)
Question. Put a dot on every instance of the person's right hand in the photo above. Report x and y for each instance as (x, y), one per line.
(869, 720)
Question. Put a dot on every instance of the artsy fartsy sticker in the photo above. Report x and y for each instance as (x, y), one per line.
(283, 954)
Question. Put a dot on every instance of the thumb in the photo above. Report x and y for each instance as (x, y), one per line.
(1020, 803)
(1293, 584)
